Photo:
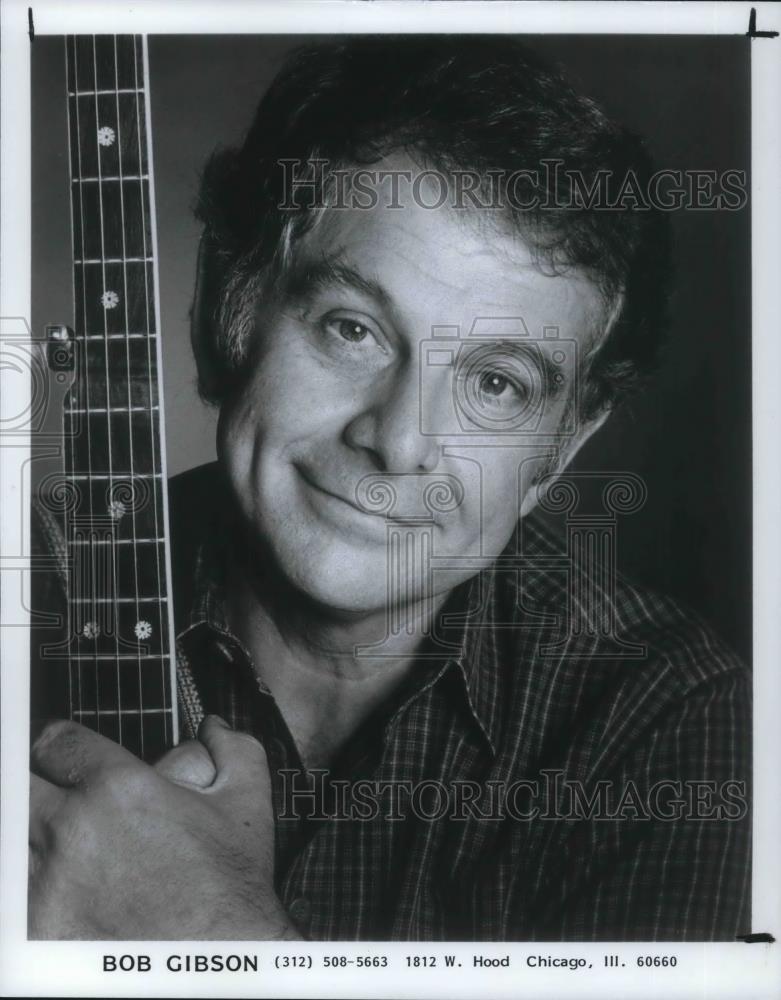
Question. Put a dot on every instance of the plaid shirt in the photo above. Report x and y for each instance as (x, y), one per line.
(543, 783)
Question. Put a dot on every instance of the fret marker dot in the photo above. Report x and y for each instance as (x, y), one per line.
(116, 510)
(106, 135)
(142, 629)
(109, 299)
(91, 630)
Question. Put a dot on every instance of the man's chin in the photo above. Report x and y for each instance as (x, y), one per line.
(346, 597)
(349, 588)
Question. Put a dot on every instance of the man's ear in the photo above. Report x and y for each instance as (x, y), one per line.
(566, 454)
(202, 316)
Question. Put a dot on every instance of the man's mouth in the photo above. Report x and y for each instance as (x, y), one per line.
(334, 497)
(375, 497)
(335, 494)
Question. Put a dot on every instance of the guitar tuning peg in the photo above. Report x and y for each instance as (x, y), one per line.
(60, 349)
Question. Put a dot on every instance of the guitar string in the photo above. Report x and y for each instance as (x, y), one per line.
(147, 253)
(129, 399)
(167, 638)
(70, 458)
(78, 556)
(109, 429)
(167, 663)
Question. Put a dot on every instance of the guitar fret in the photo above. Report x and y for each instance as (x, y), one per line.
(109, 476)
(133, 657)
(113, 541)
(119, 90)
(99, 337)
(111, 658)
(118, 600)
(111, 409)
(116, 260)
(100, 180)
(92, 713)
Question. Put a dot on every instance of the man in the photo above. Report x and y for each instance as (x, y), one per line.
(411, 322)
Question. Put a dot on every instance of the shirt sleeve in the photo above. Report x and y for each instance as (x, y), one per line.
(669, 859)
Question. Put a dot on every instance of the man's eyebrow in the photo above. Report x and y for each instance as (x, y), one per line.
(311, 276)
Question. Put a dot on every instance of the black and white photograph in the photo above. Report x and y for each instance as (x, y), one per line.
(390, 555)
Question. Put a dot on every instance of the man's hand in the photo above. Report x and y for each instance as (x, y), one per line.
(120, 850)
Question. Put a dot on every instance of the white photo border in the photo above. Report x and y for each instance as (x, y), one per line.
(31, 968)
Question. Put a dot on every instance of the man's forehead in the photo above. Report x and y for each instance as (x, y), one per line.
(493, 299)
(461, 267)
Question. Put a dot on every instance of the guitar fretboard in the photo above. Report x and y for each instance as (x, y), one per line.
(120, 639)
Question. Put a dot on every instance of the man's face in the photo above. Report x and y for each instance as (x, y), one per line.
(345, 386)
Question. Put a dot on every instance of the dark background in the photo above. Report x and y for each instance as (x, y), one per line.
(688, 436)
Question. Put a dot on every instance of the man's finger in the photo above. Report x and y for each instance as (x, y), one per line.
(239, 758)
(190, 763)
(66, 753)
(46, 800)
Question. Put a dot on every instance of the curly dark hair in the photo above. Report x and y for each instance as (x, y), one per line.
(477, 103)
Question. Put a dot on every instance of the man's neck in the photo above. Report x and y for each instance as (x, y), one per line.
(311, 659)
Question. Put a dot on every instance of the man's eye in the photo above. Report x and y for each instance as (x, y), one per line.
(348, 329)
(354, 343)
(495, 388)
(493, 384)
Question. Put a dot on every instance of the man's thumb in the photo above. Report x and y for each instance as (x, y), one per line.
(238, 757)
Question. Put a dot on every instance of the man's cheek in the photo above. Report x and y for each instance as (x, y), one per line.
(233, 440)
(502, 487)
(242, 450)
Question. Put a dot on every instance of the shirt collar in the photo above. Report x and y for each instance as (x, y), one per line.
(493, 639)
(476, 663)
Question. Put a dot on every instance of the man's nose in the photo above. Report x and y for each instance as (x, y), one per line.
(390, 427)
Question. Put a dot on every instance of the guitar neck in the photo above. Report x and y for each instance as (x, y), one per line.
(121, 646)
